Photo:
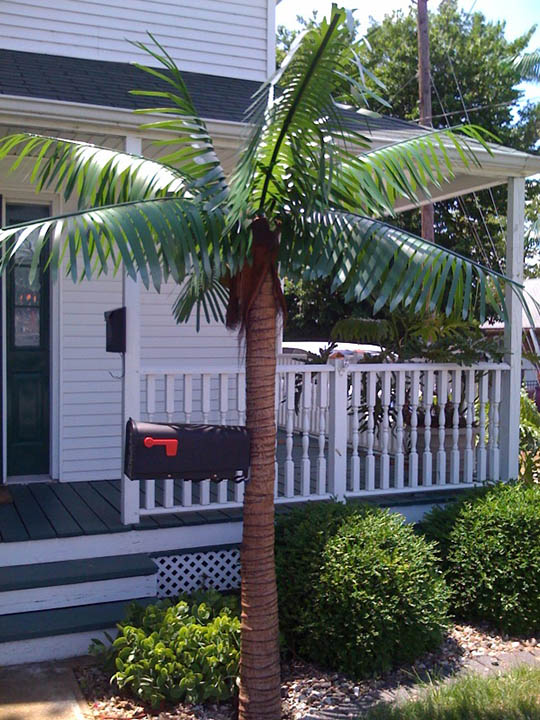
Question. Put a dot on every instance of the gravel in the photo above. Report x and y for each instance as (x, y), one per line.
(310, 693)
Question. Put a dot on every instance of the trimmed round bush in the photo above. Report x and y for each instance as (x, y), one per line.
(367, 594)
(301, 536)
(493, 558)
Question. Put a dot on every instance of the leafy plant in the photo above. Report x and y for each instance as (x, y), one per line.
(529, 440)
(170, 652)
(491, 552)
(376, 596)
(406, 335)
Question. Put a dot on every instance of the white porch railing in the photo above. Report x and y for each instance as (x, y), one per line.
(344, 431)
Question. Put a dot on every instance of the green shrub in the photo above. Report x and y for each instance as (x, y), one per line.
(438, 523)
(366, 591)
(493, 558)
(188, 650)
(301, 536)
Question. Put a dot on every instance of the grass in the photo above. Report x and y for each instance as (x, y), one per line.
(512, 696)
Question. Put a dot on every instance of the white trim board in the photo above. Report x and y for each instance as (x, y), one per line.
(84, 593)
(131, 542)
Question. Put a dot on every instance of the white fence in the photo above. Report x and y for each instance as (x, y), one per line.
(343, 431)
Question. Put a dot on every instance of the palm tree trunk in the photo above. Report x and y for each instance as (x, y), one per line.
(260, 694)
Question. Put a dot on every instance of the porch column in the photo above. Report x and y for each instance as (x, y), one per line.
(511, 381)
(131, 384)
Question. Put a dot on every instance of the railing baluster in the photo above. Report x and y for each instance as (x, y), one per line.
(223, 486)
(481, 464)
(150, 485)
(413, 455)
(442, 398)
(206, 379)
(187, 490)
(305, 474)
(355, 431)
(241, 398)
(399, 458)
(151, 396)
(323, 404)
(289, 439)
(370, 404)
(468, 464)
(386, 378)
(206, 384)
(188, 397)
(456, 401)
(223, 397)
(427, 401)
(168, 484)
(493, 440)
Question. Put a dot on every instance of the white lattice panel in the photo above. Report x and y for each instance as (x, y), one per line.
(219, 569)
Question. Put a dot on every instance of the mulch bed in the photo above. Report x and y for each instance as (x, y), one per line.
(309, 692)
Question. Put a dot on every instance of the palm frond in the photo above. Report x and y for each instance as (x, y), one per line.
(369, 258)
(190, 146)
(153, 238)
(203, 294)
(372, 182)
(528, 65)
(98, 176)
(296, 117)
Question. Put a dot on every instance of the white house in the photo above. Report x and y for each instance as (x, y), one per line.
(78, 539)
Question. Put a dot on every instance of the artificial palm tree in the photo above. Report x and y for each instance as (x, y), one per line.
(302, 200)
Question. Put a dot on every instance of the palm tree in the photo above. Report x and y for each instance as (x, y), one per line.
(302, 200)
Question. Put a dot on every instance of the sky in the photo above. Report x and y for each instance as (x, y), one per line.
(519, 16)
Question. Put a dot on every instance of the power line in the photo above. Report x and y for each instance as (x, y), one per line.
(460, 200)
(478, 207)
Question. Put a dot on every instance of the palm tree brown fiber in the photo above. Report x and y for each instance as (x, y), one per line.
(260, 692)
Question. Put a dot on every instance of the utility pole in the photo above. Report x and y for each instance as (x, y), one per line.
(424, 92)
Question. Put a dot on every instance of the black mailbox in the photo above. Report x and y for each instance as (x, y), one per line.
(186, 452)
(115, 330)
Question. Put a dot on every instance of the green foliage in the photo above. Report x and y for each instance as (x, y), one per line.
(511, 696)
(438, 523)
(491, 552)
(359, 591)
(301, 536)
(529, 439)
(469, 50)
(313, 309)
(171, 652)
(404, 336)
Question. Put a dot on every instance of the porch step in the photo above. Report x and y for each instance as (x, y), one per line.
(59, 633)
(29, 588)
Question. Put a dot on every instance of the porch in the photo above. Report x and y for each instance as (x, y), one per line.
(347, 431)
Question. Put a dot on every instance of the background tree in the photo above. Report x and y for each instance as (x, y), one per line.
(472, 68)
(302, 198)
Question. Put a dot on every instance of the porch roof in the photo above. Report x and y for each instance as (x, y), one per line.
(78, 83)
(495, 164)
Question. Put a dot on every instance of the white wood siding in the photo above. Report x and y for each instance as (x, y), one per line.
(163, 342)
(91, 398)
(217, 37)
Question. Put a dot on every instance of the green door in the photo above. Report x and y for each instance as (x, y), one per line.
(27, 361)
